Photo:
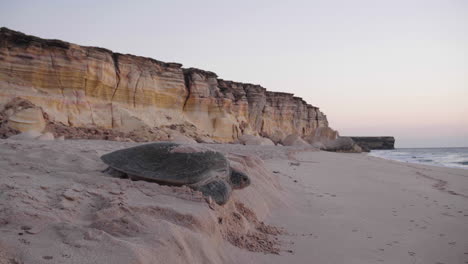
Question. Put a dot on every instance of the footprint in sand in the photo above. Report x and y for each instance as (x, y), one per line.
(24, 241)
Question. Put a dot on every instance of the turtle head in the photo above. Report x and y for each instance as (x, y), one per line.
(239, 180)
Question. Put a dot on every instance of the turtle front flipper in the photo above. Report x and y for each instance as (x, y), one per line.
(218, 189)
(115, 173)
(238, 179)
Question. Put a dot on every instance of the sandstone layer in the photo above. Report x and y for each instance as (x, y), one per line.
(94, 87)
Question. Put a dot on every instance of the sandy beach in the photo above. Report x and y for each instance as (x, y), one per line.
(303, 206)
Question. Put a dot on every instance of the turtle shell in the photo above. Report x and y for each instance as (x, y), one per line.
(170, 163)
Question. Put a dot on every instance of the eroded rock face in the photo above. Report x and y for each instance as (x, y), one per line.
(88, 86)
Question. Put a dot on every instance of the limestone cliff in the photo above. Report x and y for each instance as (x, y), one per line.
(89, 86)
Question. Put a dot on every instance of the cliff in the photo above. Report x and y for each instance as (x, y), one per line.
(95, 87)
(370, 143)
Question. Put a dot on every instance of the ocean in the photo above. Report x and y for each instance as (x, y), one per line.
(442, 157)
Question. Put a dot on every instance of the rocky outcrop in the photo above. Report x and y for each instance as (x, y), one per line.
(370, 143)
(94, 87)
(294, 140)
(22, 115)
(341, 144)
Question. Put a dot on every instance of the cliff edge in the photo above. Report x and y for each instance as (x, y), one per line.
(82, 86)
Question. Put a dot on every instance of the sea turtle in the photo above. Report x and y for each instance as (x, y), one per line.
(200, 168)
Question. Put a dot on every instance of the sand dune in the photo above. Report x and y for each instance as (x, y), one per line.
(304, 206)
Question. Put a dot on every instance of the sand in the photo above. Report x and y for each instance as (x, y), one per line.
(303, 206)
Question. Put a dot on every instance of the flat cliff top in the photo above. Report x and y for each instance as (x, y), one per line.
(12, 37)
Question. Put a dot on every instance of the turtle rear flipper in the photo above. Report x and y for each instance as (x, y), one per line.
(218, 189)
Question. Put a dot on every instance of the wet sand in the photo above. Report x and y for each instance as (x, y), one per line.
(352, 208)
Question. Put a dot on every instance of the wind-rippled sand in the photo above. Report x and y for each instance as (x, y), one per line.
(304, 206)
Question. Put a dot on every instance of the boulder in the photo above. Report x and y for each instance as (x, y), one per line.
(318, 145)
(341, 144)
(25, 119)
(294, 140)
(321, 134)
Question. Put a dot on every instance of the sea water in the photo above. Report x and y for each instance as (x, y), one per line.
(445, 157)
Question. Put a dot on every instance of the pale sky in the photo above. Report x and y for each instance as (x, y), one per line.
(396, 67)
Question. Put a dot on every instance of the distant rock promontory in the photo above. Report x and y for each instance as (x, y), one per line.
(370, 143)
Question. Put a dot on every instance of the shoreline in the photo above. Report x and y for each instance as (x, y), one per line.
(438, 157)
(314, 206)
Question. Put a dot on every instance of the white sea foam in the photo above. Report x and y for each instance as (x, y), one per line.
(445, 157)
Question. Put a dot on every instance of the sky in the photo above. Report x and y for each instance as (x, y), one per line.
(373, 67)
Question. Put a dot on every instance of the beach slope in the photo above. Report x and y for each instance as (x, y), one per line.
(304, 206)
